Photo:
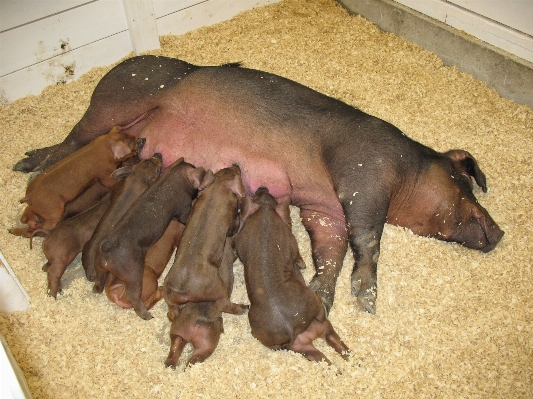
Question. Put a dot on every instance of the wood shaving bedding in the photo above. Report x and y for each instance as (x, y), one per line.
(450, 322)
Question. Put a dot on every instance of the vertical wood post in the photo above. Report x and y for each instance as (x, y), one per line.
(142, 25)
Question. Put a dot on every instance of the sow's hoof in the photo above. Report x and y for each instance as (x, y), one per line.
(25, 165)
(325, 294)
(366, 298)
(34, 159)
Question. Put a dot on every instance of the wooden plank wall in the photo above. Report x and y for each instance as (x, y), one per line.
(53, 42)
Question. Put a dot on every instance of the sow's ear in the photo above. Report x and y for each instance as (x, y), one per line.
(466, 164)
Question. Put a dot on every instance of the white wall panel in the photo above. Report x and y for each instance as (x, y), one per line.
(64, 68)
(19, 12)
(46, 42)
(205, 13)
(165, 7)
(515, 14)
(505, 37)
(60, 33)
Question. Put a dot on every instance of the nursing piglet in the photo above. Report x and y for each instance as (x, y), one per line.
(157, 258)
(66, 240)
(284, 312)
(195, 274)
(88, 198)
(134, 180)
(200, 323)
(123, 250)
(47, 194)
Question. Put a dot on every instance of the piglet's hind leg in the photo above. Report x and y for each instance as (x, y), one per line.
(205, 340)
(134, 295)
(333, 340)
(177, 344)
(54, 273)
(304, 344)
(225, 305)
(54, 284)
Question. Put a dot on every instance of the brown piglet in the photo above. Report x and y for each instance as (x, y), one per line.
(157, 258)
(195, 274)
(134, 180)
(123, 249)
(66, 240)
(88, 198)
(200, 323)
(47, 194)
(284, 312)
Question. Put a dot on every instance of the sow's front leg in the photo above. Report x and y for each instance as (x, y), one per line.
(365, 200)
(34, 158)
(329, 242)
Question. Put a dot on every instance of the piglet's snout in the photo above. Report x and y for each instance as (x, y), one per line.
(141, 141)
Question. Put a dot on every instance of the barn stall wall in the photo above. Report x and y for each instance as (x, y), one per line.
(54, 42)
(490, 40)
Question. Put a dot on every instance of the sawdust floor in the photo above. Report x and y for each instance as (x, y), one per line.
(451, 322)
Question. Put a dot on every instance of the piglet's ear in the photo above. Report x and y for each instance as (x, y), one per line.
(196, 176)
(122, 173)
(466, 164)
(248, 207)
(115, 130)
(208, 178)
(237, 187)
(284, 212)
(107, 246)
(120, 149)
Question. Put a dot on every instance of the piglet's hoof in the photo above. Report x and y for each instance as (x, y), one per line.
(53, 293)
(144, 314)
(147, 316)
(168, 363)
(244, 308)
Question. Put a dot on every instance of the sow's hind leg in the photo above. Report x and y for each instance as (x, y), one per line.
(122, 97)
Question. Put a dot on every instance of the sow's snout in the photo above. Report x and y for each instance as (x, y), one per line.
(482, 233)
(494, 235)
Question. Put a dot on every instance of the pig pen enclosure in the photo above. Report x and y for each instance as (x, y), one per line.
(450, 322)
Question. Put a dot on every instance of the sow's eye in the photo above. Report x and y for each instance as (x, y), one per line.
(464, 180)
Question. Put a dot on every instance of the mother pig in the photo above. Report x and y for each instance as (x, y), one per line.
(347, 171)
